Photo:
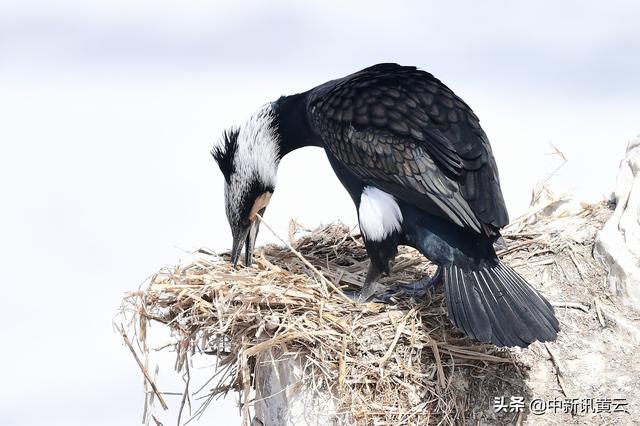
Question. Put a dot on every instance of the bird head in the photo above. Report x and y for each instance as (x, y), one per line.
(248, 157)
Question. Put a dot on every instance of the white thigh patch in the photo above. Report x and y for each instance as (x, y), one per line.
(379, 214)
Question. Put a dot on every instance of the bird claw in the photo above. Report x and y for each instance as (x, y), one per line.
(419, 287)
(355, 296)
(359, 297)
(414, 289)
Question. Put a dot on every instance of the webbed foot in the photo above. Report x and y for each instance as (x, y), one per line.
(414, 289)
(420, 287)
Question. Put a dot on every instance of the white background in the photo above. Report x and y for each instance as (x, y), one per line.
(108, 110)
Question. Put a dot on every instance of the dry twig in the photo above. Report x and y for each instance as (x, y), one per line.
(574, 305)
(144, 370)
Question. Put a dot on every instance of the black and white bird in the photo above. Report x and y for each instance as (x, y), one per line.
(421, 173)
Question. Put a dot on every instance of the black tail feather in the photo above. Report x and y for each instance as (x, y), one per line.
(496, 305)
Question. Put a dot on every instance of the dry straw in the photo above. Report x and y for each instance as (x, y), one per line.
(392, 363)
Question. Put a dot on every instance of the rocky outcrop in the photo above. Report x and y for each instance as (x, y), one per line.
(618, 243)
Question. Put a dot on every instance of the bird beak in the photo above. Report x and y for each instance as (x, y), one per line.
(251, 242)
(245, 236)
(240, 235)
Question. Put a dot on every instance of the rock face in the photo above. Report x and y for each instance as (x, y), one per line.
(618, 243)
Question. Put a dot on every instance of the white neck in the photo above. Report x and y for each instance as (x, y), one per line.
(258, 147)
(256, 159)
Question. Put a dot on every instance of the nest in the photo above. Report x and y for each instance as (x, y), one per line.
(393, 363)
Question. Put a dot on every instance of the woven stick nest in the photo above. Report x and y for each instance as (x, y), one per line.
(392, 363)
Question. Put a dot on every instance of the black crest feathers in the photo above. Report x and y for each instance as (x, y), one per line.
(225, 152)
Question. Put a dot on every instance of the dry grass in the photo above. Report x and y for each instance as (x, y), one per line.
(393, 363)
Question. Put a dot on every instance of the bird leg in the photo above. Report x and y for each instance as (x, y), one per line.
(420, 287)
(414, 289)
(369, 287)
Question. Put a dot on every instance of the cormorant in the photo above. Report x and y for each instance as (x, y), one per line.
(421, 173)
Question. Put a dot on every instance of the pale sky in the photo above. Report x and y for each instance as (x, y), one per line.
(108, 110)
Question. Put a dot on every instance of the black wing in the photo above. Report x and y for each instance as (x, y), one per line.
(402, 130)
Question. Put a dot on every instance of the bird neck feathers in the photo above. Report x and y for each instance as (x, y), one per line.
(258, 147)
(250, 151)
(248, 156)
